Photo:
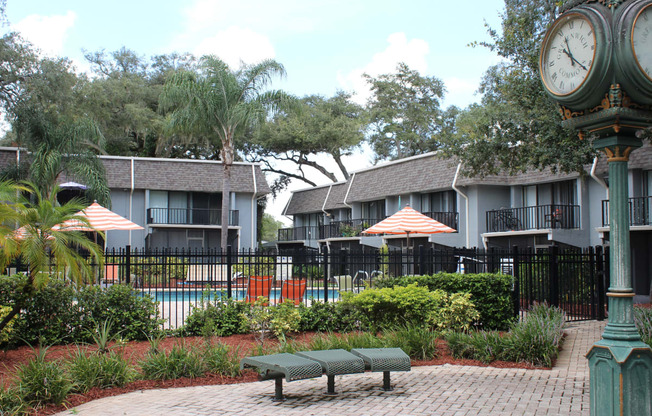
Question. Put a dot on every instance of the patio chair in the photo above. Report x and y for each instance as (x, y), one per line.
(111, 273)
(258, 286)
(293, 290)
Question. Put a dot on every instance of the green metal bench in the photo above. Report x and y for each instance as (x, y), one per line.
(385, 360)
(312, 364)
(335, 362)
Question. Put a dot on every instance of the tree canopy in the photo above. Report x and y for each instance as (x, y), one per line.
(405, 115)
(517, 126)
(303, 132)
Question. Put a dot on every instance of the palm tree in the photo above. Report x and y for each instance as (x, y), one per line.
(43, 246)
(221, 103)
(62, 146)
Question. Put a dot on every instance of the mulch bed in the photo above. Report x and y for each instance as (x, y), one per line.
(136, 350)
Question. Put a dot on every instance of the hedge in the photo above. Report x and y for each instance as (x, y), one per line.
(490, 293)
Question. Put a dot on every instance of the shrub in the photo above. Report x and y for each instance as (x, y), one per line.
(328, 317)
(180, 362)
(643, 321)
(285, 319)
(135, 315)
(485, 346)
(99, 370)
(260, 266)
(345, 341)
(456, 312)
(221, 360)
(418, 341)
(41, 382)
(490, 293)
(227, 317)
(7, 330)
(535, 340)
(49, 317)
(11, 402)
(158, 270)
(399, 305)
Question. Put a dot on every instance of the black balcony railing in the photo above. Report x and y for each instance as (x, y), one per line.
(298, 233)
(640, 211)
(534, 218)
(447, 218)
(346, 228)
(185, 216)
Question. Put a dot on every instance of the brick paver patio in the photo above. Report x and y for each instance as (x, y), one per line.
(446, 390)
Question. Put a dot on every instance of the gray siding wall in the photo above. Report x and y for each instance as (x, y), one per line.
(120, 205)
(248, 220)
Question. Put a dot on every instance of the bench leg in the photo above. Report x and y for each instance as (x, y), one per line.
(386, 385)
(278, 391)
(331, 386)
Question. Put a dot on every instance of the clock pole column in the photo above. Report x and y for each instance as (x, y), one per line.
(620, 363)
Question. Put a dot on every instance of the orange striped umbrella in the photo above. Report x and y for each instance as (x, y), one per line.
(101, 219)
(408, 221)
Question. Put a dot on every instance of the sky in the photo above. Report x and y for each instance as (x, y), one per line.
(325, 46)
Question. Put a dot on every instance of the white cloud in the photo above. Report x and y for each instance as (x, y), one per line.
(413, 52)
(48, 33)
(235, 44)
(460, 92)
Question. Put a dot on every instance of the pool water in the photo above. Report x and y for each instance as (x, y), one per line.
(195, 295)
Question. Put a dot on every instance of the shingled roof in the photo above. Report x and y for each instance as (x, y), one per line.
(307, 200)
(169, 174)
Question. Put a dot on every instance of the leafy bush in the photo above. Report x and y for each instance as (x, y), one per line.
(418, 341)
(643, 321)
(328, 317)
(99, 370)
(226, 316)
(180, 362)
(50, 317)
(7, 330)
(59, 314)
(456, 312)
(158, 270)
(490, 293)
(411, 304)
(41, 382)
(135, 315)
(281, 319)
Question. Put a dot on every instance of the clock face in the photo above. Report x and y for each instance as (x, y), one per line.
(642, 40)
(568, 54)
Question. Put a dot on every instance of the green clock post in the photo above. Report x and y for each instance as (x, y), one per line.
(596, 62)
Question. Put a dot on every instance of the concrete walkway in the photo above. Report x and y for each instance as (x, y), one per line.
(446, 390)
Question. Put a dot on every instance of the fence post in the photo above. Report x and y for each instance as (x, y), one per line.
(553, 270)
(516, 295)
(228, 272)
(128, 264)
(593, 297)
(326, 270)
(600, 262)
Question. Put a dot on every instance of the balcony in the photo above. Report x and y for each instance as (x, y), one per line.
(534, 218)
(346, 228)
(298, 233)
(185, 216)
(447, 218)
(639, 211)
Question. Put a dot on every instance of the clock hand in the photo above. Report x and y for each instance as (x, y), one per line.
(578, 63)
(569, 56)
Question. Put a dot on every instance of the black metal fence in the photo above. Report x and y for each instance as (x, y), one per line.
(573, 279)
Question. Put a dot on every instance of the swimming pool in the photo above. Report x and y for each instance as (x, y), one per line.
(195, 295)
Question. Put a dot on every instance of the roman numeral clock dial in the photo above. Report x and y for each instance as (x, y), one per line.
(568, 54)
(642, 40)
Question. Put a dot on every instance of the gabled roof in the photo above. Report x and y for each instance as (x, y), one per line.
(307, 201)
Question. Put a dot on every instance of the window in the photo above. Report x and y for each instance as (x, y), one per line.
(564, 193)
(373, 210)
(445, 201)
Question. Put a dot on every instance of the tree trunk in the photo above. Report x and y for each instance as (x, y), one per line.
(226, 199)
